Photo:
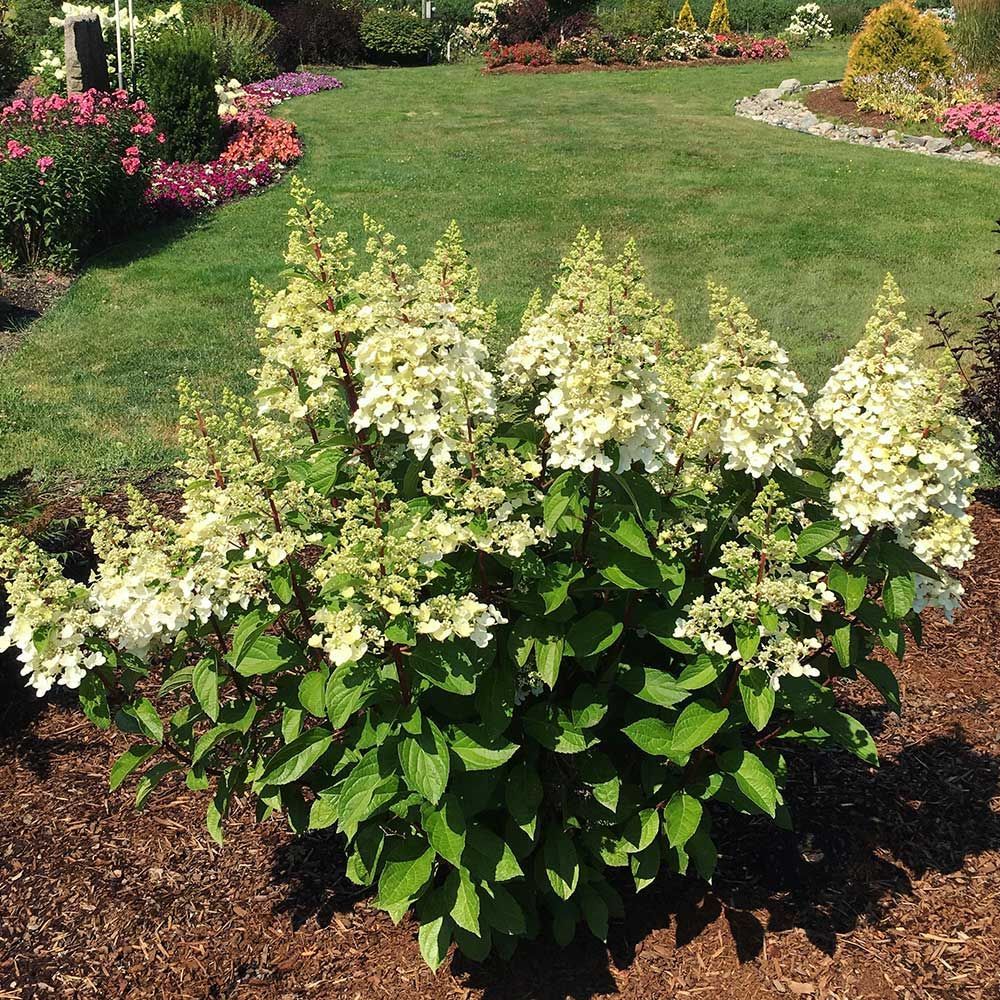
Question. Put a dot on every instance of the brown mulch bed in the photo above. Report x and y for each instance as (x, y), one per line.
(889, 889)
(831, 103)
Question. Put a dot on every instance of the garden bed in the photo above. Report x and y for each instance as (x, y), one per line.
(592, 67)
(889, 889)
(832, 104)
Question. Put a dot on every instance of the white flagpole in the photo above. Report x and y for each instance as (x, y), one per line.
(131, 42)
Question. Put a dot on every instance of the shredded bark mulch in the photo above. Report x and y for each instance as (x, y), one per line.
(831, 103)
(890, 887)
(24, 296)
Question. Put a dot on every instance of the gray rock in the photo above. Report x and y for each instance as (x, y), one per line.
(825, 128)
(968, 148)
(86, 61)
(866, 132)
(771, 94)
(789, 86)
(807, 120)
(914, 141)
(937, 145)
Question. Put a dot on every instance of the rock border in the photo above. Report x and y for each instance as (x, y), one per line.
(769, 106)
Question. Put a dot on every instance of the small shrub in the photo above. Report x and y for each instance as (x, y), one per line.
(903, 95)
(640, 18)
(179, 82)
(399, 35)
(629, 51)
(570, 51)
(846, 18)
(320, 32)
(601, 49)
(809, 24)
(718, 21)
(13, 60)
(898, 36)
(979, 120)
(685, 19)
(518, 639)
(72, 173)
(976, 34)
(243, 37)
(978, 359)
(524, 21)
(521, 54)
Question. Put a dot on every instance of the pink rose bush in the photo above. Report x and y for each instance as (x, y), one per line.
(73, 172)
(980, 121)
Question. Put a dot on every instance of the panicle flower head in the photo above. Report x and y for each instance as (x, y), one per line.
(592, 350)
(754, 412)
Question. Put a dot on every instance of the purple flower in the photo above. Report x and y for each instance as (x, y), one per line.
(287, 85)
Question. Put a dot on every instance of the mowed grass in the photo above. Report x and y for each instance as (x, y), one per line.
(802, 228)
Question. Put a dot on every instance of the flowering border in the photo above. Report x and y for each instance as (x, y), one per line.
(259, 149)
(769, 106)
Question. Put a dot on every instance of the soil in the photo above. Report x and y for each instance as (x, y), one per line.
(24, 296)
(832, 104)
(890, 888)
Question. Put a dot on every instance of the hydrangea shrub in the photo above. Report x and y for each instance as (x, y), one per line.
(517, 628)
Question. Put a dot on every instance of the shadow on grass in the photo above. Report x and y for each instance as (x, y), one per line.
(927, 809)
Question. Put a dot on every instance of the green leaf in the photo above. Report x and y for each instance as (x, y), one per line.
(446, 828)
(548, 657)
(850, 582)
(446, 665)
(645, 865)
(293, 760)
(697, 723)
(641, 830)
(344, 693)
(366, 853)
(148, 719)
(562, 865)
(704, 670)
(425, 761)
(553, 588)
(151, 779)
(757, 695)
(903, 561)
(702, 851)
(523, 793)
(205, 682)
(252, 625)
(434, 937)
(818, 536)
(561, 494)
(94, 700)
(479, 750)
(884, 680)
(656, 687)
(626, 530)
(753, 778)
(555, 730)
(311, 692)
(592, 634)
(489, 857)
(595, 911)
(681, 816)
(128, 762)
(266, 654)
(898, 594)
(850, 734)
(652, 735)
(408, 865)
(465, 907)
(501, 910)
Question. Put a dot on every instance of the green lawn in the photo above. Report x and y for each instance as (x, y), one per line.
(801, 227)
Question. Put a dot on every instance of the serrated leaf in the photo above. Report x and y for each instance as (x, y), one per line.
(445, 827)
(205, 683)
(94, 700)
(698, 722)
(434, 937)
(425, 761)
(898, 594)
(128, 762)
(757, 695)
(656, 687)
(818, 536)
(561, 493)
(752, 777)
(311, 693)
(489, 857)
(626, 530)
(293, 760)
(478, 750)
(592, 634)
(548, 658)
(562, 864)
(681, 817)
(465, 901)
(408, 865)
(884, 680)
(850, 582)
(652, 735)
(149, 781)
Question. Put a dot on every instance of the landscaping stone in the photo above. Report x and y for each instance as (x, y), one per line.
(768, 106)
(86, 60)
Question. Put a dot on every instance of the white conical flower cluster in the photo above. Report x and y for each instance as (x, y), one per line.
(753, 411)
(592, 354)
(907, 457)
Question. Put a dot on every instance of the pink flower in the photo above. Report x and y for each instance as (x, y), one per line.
(44, 162)
(130, 164)
(16, 150)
